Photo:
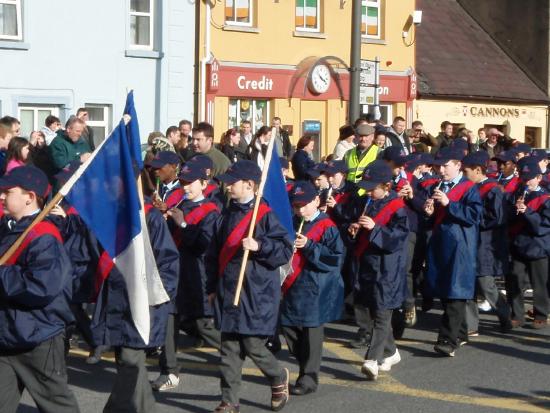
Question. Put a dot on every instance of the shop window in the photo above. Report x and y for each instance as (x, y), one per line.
(308, 14)
(99, 117)
(142, 24)
(238, 12)
(33, 117)
(386, 112)
(256, 111)
(533, 136)
(10, 20)
(371, 19)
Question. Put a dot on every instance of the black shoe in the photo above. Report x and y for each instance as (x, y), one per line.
(299, 390)
(362, 341)
(445, 348)
(427, 304)
(398, 324)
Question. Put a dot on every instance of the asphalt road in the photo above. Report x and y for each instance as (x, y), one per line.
(492, 373)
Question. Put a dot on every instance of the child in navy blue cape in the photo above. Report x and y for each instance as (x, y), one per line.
(313, 292)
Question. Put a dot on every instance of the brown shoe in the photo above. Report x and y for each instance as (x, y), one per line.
(540, 324)
(227, 408)
(279, 393)
(516, 323)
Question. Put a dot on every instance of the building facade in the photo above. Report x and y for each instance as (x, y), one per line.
(57, 56)
(260, 59)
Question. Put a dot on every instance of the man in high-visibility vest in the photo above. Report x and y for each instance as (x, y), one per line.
(358, 158)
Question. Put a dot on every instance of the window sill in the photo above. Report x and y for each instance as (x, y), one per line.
(311, 35)
(244, 29)
(373, 41)
(15, 45)
(144, 54)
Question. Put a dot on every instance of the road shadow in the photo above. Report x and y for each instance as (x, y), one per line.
(508, 394)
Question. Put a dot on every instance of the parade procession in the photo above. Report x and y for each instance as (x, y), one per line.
(267, 205)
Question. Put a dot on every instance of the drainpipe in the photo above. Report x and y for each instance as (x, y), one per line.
(205, 60)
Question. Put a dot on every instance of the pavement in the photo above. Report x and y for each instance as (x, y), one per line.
(492, 373)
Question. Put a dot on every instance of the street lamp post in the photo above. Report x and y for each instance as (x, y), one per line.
(355, 61)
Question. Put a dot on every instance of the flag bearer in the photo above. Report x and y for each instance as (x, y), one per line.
(245, 328)
(313, 293)
(35, 285)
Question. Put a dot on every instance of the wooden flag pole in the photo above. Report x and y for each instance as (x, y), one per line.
(259, 195)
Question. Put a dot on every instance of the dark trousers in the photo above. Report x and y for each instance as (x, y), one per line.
(82, 323)
(486, 286)
(235, 347)
(131, 392)
(409, 302)
(306, 345)
(168, 361)
(453, 322)
(42, 371)
(363, 318)
(382, 343)
(522, 271)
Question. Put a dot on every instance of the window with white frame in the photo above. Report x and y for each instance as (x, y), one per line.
(371, 19)
(238, 12)
(10, 20)
(32, 117)
(386, 112)
(99, 120)
(308, 14)
(256, 111)
(142, 18)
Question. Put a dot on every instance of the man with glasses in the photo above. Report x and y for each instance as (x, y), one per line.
(496, 143)
(88, 133)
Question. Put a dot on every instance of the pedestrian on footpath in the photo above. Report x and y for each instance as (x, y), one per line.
(313, 293)
(381, 234)
(245, 328)
(35, 285)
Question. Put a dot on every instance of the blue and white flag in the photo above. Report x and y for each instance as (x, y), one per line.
(104, 192)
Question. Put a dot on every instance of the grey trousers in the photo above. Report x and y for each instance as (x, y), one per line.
(306, 345)
(43, 372)
(363, 318)
(132, 392)
(168, 361)
(487, 287)
(382, 342)
(235, 347)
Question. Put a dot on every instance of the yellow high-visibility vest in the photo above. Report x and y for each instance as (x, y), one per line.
(356, 166)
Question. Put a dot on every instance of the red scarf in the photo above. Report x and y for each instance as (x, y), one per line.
(382, 218)
(535, 204)
(454, 195)
(512, 185)
(484, 188)
(315, 234)
(193, 218)
(234, 240)
(174, 198)
(42, 228)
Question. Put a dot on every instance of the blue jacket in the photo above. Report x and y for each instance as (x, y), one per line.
(301, 163)
(381, 280)
(192, 299)
(317, 295)
(532, 241)
(258, 309)
(452, 248)
(112, 320)
(35, 291)
(493, 239)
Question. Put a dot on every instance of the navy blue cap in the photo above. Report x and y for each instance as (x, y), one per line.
(426, 158)
(192, 170)
(528, 168)
(333, 167)
(479, 158)
(317, 170)
(460, 144)
(204, 161)
(539, 154)
(523, 147)
(302, 192)
(506, 156)
(163, 158)
(284, 162)
(377, 172)
(395, 154)
(446, 154)
(30, 178)
(68, 170)
(244, 170)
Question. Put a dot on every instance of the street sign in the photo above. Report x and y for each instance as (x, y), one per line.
(367, 82)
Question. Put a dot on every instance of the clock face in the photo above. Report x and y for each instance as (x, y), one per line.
(320, 79)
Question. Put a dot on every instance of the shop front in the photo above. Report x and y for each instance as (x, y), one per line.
(527, 123)
(310, 100)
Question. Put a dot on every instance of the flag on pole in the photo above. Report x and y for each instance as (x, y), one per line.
(105, 194)
(275, 193)
(133, 130)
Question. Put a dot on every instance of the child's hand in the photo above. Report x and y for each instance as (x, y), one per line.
(177, 215)
(331, 202)
(57, 210)
(158, 204)
(429, 207)
(301, 241)
(441, 197)
(211, 298)
(353, 228)
(366, 222)
(250, 244)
